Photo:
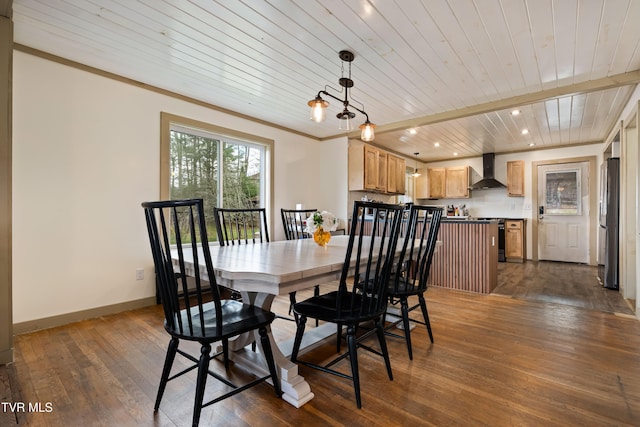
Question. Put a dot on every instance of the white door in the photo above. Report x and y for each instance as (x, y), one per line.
(563, 212)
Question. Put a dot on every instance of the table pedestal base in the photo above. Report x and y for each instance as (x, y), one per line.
(295, 389)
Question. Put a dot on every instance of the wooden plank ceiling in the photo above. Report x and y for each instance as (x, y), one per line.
(449, 70)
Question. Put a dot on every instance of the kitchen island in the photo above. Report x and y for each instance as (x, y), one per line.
(466, 257)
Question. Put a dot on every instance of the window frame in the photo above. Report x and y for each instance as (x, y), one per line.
(166, 122)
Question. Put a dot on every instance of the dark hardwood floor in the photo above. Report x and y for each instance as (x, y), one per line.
(562, 283)
(496, 360)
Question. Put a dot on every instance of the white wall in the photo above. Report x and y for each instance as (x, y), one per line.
(86, 154)
(494, 203)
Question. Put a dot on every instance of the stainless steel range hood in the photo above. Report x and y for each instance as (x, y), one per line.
(488, 178)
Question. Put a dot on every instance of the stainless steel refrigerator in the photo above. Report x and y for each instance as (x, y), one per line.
(608, 263)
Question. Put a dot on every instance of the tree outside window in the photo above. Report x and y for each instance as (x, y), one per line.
(222, 170)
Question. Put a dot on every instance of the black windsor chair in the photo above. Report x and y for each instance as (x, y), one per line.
(294, 222)
(177, 229)
(241, 226)
(237, 226)
(369, 258)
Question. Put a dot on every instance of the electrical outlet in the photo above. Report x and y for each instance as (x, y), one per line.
(139, 273)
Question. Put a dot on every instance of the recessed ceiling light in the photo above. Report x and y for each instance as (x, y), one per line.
(455, 154)
(436, 144)
(413, 131)
(515, 112)
(531, 144)
(525, 131)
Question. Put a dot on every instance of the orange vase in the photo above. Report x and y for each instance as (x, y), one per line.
(321, 237)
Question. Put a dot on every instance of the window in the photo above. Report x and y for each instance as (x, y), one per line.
(223, 167)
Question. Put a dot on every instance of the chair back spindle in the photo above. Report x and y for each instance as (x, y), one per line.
(178, 227)
(369, 259)
(294, 222)
(418, 247)
(241, 226)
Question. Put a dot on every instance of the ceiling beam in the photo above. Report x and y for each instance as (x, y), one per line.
(624, 79)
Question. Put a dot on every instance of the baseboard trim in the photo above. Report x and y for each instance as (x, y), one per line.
(6, 356)
(64, 319)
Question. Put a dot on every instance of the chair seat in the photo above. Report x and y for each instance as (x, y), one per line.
(237, 318)
(403, 289)
(323, 307)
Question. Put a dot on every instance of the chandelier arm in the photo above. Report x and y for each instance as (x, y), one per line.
(340, 91)
(324, 92)
(357, 109)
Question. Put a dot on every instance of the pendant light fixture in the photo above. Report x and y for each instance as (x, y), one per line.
(415, 169)
(319, 105)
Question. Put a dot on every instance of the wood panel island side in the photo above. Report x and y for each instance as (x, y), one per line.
(466, 257)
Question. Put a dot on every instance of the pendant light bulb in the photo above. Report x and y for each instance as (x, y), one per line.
(318, 109)
(345, 120)
(345, 124)
(368, 134)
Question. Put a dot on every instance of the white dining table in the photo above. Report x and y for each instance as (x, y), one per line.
(262, 271)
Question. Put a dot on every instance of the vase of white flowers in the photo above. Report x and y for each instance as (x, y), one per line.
(321, 224)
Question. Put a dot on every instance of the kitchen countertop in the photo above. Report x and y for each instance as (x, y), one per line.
(469, 220)
(462, 220)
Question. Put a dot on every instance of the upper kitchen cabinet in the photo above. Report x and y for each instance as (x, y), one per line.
(382, 171)
(396, 171)
(457, 182)
(431, 184)
(368, 161)
(364, 167)
(443, 183)
(375, 170)
(515, 178)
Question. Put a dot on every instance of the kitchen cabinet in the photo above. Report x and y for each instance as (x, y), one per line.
(375, 170)
(457, 182)
(515, 178)
(364, 167)
(396, 171)
(382, 172)
(436, 182)
(430, 184)
(515, 240)
(370, 168)
(443, 183)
